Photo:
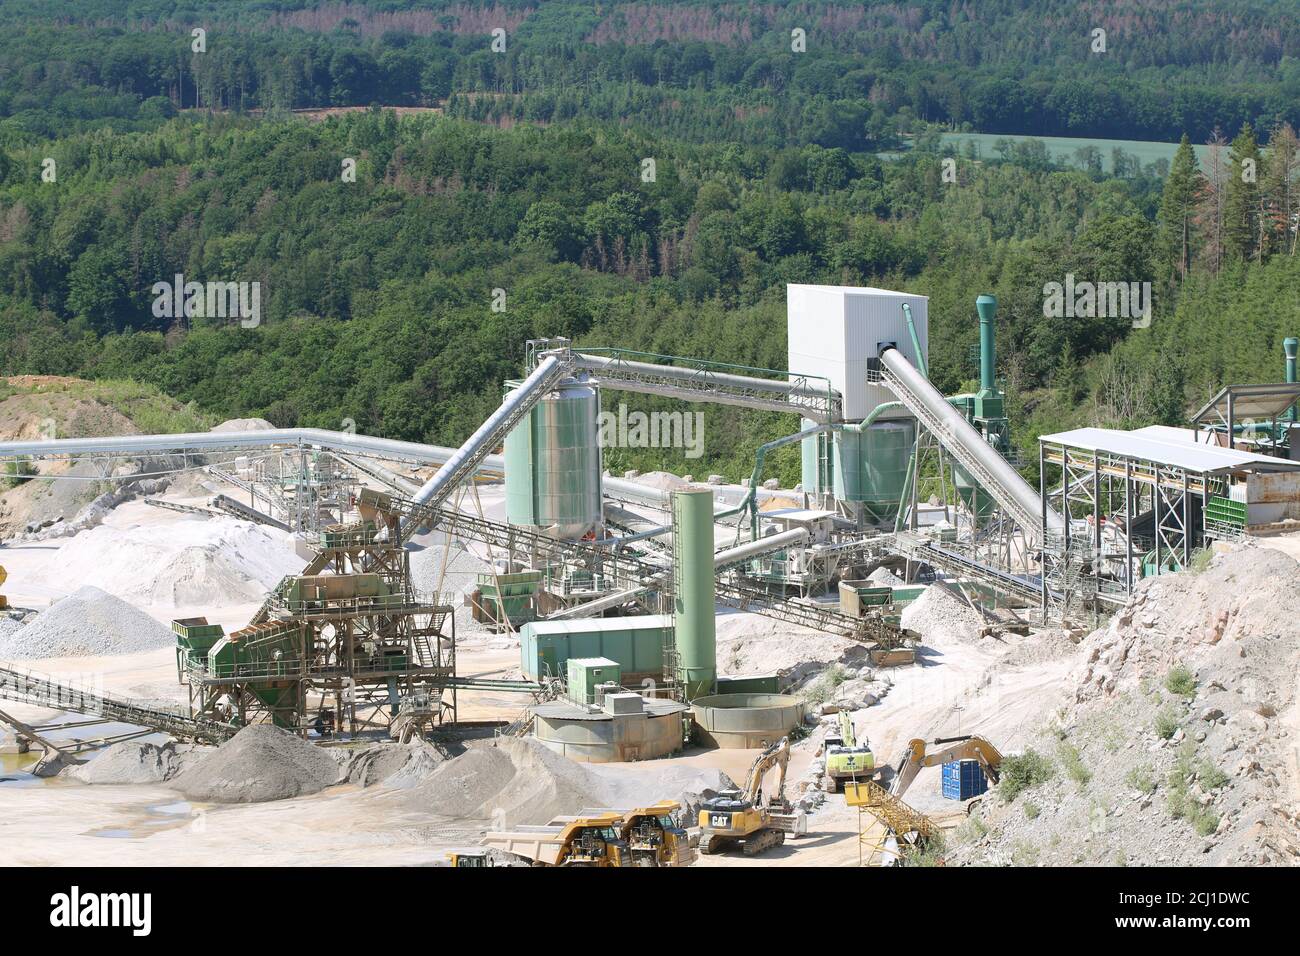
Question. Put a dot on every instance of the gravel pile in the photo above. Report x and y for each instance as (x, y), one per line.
(521, 781)
(86, 623)
(942, 618)
(885, 578)
(394, 764)
(131, 761)
(446, 568)
(194, 562)
(260, 763)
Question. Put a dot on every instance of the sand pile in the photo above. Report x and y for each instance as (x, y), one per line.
(885, 578)
(753, 644)
(1175, 740)
(187, 563)
(132, 761)
(446, 568)
(260, 763)
(942, 618)
(86, 623)
(521, 781)
(244, 425)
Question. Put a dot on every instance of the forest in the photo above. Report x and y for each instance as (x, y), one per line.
(644, 176)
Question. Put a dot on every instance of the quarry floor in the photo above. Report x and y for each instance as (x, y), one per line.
(957, 688)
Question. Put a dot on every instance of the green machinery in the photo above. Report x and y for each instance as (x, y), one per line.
(349, 637)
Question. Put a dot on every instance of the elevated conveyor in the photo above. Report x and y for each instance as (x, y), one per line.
(980, 459)
(43, 691)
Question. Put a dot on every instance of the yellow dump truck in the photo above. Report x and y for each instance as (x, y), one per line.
(652, 833)
(593, 840)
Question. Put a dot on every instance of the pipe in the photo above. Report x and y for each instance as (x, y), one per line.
(750, 500)
(916, 340)
(462, 461)
(1003, 482)
(987, 306)
(694, 597)
(1290, 345)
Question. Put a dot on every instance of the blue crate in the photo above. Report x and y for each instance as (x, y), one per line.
(963, 779)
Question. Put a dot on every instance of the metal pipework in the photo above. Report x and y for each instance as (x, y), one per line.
(916, 340)
(987, 306)
(706, 385)
(465, 459)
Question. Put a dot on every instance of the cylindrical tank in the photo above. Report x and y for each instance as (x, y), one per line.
(693, 591)
(871, 466)
(1290, 346)
(553, 462)
(987, 307)
(746, 721)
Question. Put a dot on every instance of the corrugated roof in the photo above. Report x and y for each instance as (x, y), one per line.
(1251, 401)
(1159, 446)
(594, 625)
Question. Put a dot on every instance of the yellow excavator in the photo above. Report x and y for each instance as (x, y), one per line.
(4, 601)
(969, 747)
(745, 818)
(903, 824)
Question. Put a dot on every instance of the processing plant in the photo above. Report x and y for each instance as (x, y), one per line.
(613, 585)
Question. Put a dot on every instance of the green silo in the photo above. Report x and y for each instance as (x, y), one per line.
(693, 592)
(553, 462)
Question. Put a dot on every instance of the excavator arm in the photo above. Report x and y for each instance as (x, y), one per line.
(970, 747)
(777, 755)
(846, 730)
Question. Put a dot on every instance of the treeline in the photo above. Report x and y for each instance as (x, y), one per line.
(377, 296)
(855, 75)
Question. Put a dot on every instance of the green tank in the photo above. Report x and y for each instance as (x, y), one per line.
(871, 466)
(553, 463)
(693, 591)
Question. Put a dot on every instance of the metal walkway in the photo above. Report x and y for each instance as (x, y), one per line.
(42, 691)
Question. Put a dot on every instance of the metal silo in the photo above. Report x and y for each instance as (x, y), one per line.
(553, 463)
(693, 591)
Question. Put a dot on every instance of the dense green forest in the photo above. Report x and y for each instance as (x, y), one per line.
(402, 296)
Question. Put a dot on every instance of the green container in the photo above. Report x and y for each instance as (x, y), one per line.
(635, 643)
(585, 674)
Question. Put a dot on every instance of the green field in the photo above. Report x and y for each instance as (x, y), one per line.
(1062, 148)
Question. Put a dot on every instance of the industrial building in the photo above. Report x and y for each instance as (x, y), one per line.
(614, 586)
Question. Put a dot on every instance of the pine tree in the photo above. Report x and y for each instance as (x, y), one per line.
(1210, 202)
(1280, 197)
(1178, 209)
(1241, 198)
